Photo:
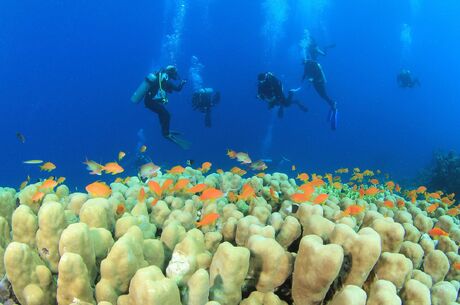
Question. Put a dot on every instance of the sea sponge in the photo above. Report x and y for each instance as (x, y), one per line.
(25, 225)
(142, 221)
(349, 295)
(445, 244)
(316, 267)
(454, 260)
(427, 244)
(289, 231)
(443, 293)
(51, 223)
(317, 225)
(98, 213)
(76, 239)
(31, 279)
(364, 248)
(74, 280)
(411, 233)
(228, 270)
(391, 233)
(102, 241)
(446, 223)
(383, 293)
(242, 229)
(423, 223)
(436, 264)
(189, 255)
(149, 286)
(76, 201)
(7, 202)
(415, 293)
(198, 288)
(414, 252)
(154, 253)
(393, 267)
(172, 234)
(120, 265)
(270, 262)
(160, 213)
(212, 240)
(260, 298)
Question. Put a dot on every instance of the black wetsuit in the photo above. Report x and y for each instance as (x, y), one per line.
(270, 89)
(203, 100)
(314, 73)
(156, 102)
(405, 80)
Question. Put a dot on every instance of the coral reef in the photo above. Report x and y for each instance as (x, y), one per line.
(222, 239)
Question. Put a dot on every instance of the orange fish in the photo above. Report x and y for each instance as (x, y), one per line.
(205, 167)
(300, 197)
(453, 212)
(121, 209)
(113, 168)
(47, 185)
(456, 266)
(176, 170)
(342, 171)
(121, 155)
(143, 148)
(60, 180)
(374, 181)
(303, 177)
(435, 195)
(48, 166)
(351, 210)
(397, 188)
(155, 188)
(307, 188)
(24, 183)
(231, 154)
(238, 171)
(400, 203)
(180, 184)
(247, 192)
(94, 167)
(197, 188)
(211, 194)
(447, 201)
(389, 204)
(118, 180)
(220, 171)
(321, 198)
(293, 167)
(436, 232)
(232, 197)
(38, 196)
(141, 196)
(337, 185)
(317, 182)
(362, 192)
(274, 195)
(372, 191)
(432, 207)
(260, 175)
(98, 189)
(166, 184)
(390, 185)
(421, 189)
(208, 219)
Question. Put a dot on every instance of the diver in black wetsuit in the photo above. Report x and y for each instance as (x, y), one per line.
(406, 80)
(154, 90)
(270, 90)
(203, 100)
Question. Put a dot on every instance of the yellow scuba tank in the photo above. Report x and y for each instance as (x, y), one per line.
(143, 88)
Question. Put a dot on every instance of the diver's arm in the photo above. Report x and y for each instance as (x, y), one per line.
(174, 87)
(320, 51)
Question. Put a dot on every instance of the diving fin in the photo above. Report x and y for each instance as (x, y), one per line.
(181, 142)
(332, 118)
(174, 133)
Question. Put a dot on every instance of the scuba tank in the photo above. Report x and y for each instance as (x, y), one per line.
(143, 88)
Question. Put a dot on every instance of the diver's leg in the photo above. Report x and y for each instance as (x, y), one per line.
(300, 105)
(165, 119)
(207, 118)
(320, 88)
(281, 112)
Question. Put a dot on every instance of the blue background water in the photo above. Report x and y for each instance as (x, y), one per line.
(68, 69)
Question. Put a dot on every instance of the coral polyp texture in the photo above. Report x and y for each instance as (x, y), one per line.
(183, 237)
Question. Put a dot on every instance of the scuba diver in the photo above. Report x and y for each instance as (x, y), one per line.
(314, 73)
(154, 90)
(203, 100)
(406, 80)
(270, 89)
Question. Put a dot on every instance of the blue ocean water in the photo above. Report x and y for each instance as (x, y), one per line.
(68, 69)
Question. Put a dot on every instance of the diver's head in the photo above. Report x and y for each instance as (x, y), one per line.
(261, 77)
(172, 72)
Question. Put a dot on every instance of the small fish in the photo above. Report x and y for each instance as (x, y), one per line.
(21, 137)
(48, 167)
(33, 162)
(205, 167)
(238, 171)
(374, 181)
(24, 183)
(94, 167)
(368, 173)
(211, 194)
(113, 168)
(181, 184)
(372, 191)
(351, 210)
(177, 170)
(456, 266)
(47, 185)
(60, 180)
(166, 184)
(247, 192)
(243, 158)
(397, 188)
(432, 207)
(436, 232)
(421, 189)
(38, 196)
(121, 209)
(303, 177)
(342, 171)
(208, 219)
(260, 175)
(143, 148)
(300, 197)
(155, 188)
(453, 212)
(337, 185)
(320, 199)
(293, 167)
(434, 195)
(220, 171)
(400, 203)
(118, 180)
(274, 194)
(141, 196)
(197, 188)
(307, 188)
(121, 155)
(258, 166)
(190, 162)
(232, 197)
(98, 189)
(155, 201)
(149, 170)
(389, 204)
(231, 154)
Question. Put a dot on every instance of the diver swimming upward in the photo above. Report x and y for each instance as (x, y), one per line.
(154, 90)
